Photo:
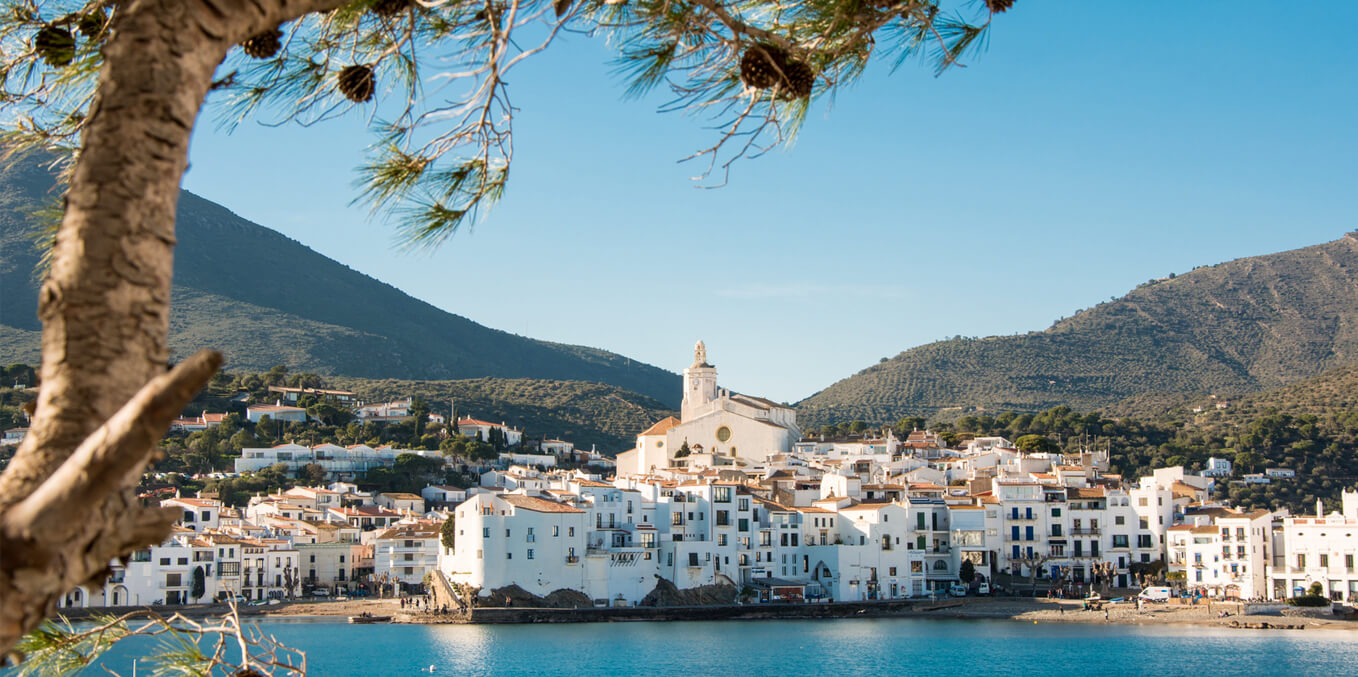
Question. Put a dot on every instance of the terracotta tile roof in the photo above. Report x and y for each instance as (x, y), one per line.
(537, 504)
(1077, 492)
(662, 426)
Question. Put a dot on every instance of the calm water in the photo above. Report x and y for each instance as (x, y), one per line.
(837, 648)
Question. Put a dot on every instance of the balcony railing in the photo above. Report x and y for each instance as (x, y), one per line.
(1085, 531)
(572, 559)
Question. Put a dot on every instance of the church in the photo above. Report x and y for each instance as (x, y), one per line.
(713, 421)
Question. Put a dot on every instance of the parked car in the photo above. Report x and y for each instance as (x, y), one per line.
(1155, 594)
(958, 590)
(983, 589)
(320, 592)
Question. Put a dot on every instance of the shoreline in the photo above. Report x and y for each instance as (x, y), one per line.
(1024, 610)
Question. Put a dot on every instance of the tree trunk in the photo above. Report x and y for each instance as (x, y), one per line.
(67, 505)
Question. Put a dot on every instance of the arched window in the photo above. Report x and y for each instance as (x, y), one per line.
(940, 565)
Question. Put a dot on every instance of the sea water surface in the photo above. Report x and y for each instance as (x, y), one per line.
(833, 648)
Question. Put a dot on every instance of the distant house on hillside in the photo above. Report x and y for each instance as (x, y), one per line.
(201, 422)
(385, 412)
(14, 436)
(475, 429)
(277, 412)
(1217, 467)
(292, 395)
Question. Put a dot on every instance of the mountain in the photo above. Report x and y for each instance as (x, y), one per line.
(264, 299)
(1242, 326)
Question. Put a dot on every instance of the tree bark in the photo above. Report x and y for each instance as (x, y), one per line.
(105, 307)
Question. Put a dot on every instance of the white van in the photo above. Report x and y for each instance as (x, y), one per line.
(1155, 594)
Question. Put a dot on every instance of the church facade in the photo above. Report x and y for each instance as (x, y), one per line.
(713, 421)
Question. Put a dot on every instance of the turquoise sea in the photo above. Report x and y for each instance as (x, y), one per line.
(834, 648)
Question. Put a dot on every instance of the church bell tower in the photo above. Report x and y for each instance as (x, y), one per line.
(700, 383)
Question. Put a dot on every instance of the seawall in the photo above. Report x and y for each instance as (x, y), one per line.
(687, 613)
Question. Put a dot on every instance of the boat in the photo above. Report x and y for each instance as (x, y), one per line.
(366, 617)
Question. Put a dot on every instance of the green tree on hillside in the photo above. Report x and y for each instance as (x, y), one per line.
(448, 532)
(1033, 444)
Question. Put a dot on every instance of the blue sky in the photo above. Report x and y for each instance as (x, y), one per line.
(1093, 146)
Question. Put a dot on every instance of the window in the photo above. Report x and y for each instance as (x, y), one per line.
(693, 559)
(556, 531)
(1120, 541)
(485, 532)
(721, 494)
(530, 553)
(1056, 512)
(1324, 561)
(1119, 520)
(165, 561)
(743, 504)
(742, 524)
(570, 531)
(723, 518)
(182, 561)
(721, 539)
(891, 571)
(173, 580)
(506, 533)
(1142, 523)
(341, 559)
(1301, 561)
(509, 555)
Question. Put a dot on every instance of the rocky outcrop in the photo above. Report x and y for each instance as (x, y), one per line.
(514, 596)
(667, 594)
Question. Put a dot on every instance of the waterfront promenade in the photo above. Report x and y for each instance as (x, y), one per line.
(1025, 610)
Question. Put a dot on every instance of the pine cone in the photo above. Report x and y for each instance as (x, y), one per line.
(264, 45)
(997, 6)
(390, 8)
(92, 25)
(55, 45)
(761, 64)
(799, 79)
(356, 83)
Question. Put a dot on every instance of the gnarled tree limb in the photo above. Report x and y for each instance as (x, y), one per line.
(112, 458)
(66, 501)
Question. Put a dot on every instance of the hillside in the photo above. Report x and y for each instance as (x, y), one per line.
(1331, 393)
(264, 299)
(584, 413)
(1242, 326)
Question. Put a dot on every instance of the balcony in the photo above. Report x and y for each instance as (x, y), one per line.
(572, 559)
(1085, 531)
